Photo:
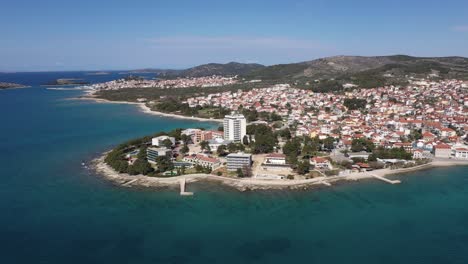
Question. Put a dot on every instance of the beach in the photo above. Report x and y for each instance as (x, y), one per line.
(143, 108)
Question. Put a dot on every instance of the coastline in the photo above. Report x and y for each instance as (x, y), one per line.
(245, 184)
(145, 109)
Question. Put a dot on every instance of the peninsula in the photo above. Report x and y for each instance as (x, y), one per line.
(287, 131)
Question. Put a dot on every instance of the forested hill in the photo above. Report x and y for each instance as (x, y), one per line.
(228, 69)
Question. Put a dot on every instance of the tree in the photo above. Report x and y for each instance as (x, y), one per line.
(329, 143)
(141, 164)
(205, 146)
(164, 164)
(354, 103)
(185, 139)
(221, 150)
(245, 140)
(275, 117)
(303, 167)
(167, 143)
(292, 149)
(239, 172)
(184, 149)
(362, 144)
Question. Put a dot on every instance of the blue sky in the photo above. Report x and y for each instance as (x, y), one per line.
(91, 35)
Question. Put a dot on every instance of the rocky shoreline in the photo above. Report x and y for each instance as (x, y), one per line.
(246, 184)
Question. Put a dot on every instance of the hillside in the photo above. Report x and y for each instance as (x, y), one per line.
(228, 69)
(332, 72)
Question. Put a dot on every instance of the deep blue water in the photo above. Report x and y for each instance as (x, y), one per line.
(54, 211)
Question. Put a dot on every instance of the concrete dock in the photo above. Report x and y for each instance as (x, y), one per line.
(385, 179)
(182, 188)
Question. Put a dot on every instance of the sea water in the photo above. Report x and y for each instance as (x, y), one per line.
(54, 210)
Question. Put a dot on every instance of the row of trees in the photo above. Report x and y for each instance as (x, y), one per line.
(253, 115)
(362, 144)
(393, 153)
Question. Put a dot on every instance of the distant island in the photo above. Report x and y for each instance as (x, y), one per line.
(98, 73)
(68, 81)
(5, 85)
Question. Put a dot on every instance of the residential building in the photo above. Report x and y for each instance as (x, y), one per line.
(461, 153)
(443, 151)
(235, 126)
(238, 161)
(202, 160)
(321, 163)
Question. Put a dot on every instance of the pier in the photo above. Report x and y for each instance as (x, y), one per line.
(385, 179)
(129, 182)
(182, 188)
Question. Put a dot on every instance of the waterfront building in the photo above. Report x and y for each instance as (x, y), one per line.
(443, 151)
(275, 159)
(238, 161)
(202, 160)
(235, 126)
(153, 153)
(321, 163)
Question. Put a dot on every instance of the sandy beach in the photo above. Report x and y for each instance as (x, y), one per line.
(244, 184)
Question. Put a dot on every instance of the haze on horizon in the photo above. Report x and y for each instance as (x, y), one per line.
(55, 35)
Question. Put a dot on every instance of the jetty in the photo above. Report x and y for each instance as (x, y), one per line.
(182, 188)
(385, 179)
(129, 182)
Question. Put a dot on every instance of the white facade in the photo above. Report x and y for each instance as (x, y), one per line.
(238, 161)
(235, 126)
(461, 153)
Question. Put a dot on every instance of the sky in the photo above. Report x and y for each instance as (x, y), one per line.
(63, 35)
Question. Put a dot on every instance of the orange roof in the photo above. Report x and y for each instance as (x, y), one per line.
(319, 160)
(442, 146)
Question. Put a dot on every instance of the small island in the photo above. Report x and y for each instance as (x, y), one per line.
(66, 82)
(5, 85)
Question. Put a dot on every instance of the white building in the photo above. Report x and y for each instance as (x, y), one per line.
(152, 154)
(158, 141)
(238, 161)
(235, 126)
(461, 153)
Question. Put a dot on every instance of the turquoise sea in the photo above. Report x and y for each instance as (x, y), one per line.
(52, 210)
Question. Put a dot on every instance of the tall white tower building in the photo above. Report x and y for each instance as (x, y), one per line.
(234, 127)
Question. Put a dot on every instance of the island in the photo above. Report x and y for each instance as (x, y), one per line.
(5, 85)
(66, 82)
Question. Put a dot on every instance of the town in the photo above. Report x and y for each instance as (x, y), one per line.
(137, 82)
(285, 133)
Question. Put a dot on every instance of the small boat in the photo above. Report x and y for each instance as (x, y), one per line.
(83, 163)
